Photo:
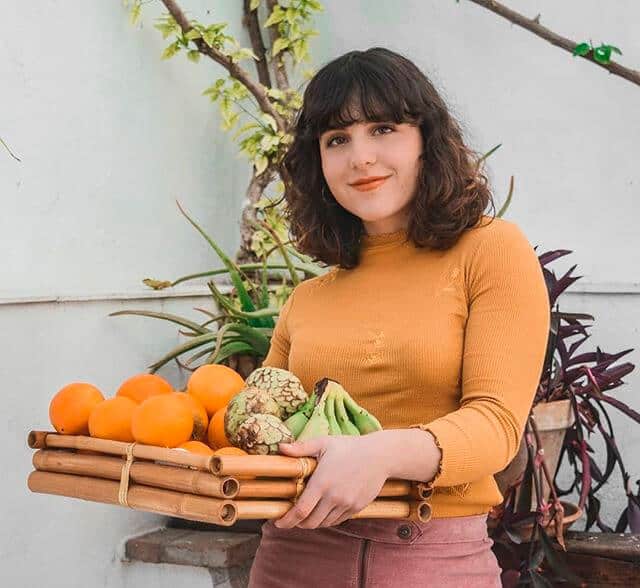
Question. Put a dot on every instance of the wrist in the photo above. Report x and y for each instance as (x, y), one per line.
(408, 454)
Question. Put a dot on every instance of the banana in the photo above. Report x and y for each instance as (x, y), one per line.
(296, 423)
(362, 418)
(346, 426)
(299, 419)
(330, 413)
(318, 425)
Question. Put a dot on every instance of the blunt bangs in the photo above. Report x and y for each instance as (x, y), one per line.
(357, 90)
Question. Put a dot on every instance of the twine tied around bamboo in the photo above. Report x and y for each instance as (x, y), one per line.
(124, 476)
(305, 471)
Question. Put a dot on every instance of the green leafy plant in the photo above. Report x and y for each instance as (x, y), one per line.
(245, 319)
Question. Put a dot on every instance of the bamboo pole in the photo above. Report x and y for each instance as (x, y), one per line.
(378, 509)
(45, 439)
(289, 488)
(141, 472)
(168, 502)
(271, 466)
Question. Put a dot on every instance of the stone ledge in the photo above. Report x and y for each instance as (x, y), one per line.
(209, 549)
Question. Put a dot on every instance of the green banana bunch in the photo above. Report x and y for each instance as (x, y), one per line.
(335, 413)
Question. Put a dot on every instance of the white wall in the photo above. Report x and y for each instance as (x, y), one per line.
(109, 136)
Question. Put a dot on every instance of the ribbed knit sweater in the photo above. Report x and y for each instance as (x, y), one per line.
(450, 341)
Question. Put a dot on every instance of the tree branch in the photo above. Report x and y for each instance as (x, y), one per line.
(234, 69)
(282, 80)
(252, 24)
(9, 150)
(533, 25)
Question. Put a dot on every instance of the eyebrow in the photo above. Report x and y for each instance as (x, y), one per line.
(372, 122)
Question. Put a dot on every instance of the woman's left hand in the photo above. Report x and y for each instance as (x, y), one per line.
(349, 475)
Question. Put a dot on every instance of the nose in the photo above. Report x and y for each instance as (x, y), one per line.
(363, 154)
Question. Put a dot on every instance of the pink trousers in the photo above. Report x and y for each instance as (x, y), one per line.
(378, 553)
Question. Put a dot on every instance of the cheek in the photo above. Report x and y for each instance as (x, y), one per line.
(333, 171)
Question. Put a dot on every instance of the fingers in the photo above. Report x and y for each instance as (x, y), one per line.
(316, 508)
(337, 515)
(301, 509)
(309, 448)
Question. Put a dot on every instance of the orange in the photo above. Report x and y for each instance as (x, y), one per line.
(142, 386)
(216, 436)
(196, 447)
(200, 417)
(71, 406)
(163, 420)
(111, 419)
(214, 385)
(230, 451)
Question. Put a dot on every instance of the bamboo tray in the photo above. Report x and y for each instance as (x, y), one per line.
(212, 489)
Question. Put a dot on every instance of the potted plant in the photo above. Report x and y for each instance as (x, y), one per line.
(244, 317)
(570, 404)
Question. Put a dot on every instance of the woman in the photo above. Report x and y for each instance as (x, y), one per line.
(433, 316)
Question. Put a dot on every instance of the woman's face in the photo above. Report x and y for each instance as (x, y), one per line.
(373, 149)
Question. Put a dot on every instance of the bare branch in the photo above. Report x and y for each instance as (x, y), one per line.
(235, 70)
(252, 24)
(533, 25)
(282, 80)
(9, 150)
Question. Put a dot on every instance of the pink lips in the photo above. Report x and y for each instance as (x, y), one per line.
(372, 185)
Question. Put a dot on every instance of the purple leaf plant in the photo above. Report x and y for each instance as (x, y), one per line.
(586, 378)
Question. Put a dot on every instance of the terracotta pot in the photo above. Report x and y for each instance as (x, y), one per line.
(552, 419)
(524, 530)
(243, 363)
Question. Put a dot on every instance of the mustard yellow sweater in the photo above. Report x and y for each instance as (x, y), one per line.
(450, 341)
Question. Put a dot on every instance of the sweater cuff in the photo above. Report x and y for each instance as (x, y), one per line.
(453, 462)
(434, 481)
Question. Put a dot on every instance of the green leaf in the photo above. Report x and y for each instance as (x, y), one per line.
(490, 153)
(261, 164)
(314, 5)
(275, 17)
(254, 4)
(300, 50)
(581, 49)
(171, 50)
(194, 55)
(267, 118)
(164, 316)
(234, 272)
(180, 349)
(193, 34)
(252, 336)
(136, 10)
(602, 54)
(279, 45)
(231, 349)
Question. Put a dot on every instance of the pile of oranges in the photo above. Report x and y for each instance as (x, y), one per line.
(146, 409)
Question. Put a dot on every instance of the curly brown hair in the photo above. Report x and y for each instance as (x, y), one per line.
(452, 192)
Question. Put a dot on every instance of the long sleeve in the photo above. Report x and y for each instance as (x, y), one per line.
(504, 347)
(278, 355)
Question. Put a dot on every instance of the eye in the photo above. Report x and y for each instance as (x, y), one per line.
(330, 142)
(384, 127)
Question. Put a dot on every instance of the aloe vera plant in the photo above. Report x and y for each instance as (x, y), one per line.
(246, 315)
